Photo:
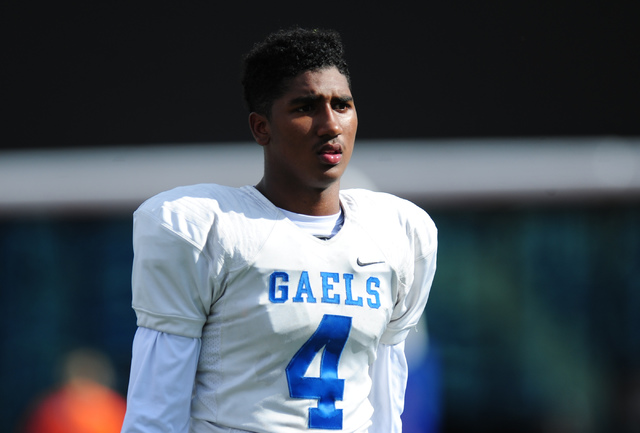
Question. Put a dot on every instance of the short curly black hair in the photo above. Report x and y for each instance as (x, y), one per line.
(283, 55)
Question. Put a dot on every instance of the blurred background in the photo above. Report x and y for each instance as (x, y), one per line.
(514, 124)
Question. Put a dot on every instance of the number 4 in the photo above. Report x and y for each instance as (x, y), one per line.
(332, 334)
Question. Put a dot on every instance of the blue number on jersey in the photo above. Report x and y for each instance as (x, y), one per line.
(332, 334)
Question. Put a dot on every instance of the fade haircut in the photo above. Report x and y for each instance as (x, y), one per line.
(283, 55)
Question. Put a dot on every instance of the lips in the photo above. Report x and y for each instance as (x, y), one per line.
(330, 153)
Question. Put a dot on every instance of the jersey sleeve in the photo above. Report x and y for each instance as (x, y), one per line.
(413, 297)
(170, 277)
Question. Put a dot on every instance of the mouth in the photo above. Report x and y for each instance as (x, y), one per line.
(330, 153)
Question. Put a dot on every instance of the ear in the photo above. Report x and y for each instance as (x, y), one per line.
(260, 128)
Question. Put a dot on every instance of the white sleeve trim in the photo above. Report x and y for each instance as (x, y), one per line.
(163, 369)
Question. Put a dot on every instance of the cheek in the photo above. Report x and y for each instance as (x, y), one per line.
(298, 127)
(290, 128)
(350, 126)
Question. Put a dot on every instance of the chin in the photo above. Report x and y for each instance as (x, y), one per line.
(330, 179)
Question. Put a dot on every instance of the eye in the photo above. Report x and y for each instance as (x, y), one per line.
(303, 108)
(342, 104)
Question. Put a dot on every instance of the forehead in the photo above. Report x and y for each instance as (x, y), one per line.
(328, 81)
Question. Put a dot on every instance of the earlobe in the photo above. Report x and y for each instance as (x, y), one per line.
(259, 126)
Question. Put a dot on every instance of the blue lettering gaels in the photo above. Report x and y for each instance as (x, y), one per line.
(334, 289)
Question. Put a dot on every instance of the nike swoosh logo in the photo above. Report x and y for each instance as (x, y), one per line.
(368, 263)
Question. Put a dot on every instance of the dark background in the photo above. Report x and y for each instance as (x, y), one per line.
(533, 315)
(112, 73)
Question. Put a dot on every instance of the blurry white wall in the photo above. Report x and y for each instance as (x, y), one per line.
(439, 172)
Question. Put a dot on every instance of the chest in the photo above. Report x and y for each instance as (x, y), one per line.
(295, 281)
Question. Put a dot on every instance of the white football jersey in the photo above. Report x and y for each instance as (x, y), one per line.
(289, 323)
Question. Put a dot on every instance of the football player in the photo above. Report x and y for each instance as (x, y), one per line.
(280, 307)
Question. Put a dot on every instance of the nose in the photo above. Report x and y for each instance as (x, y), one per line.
(328, 122)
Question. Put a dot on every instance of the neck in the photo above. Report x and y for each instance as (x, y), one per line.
(306, 201)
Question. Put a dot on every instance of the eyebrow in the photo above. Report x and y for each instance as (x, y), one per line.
(309, 99)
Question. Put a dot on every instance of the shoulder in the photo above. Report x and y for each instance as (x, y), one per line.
(191, 198)
(204, 201)
(194, 211)
(383, 205)
(383, 212)
(365, 197)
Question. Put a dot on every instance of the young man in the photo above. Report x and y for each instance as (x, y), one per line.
(281, 307)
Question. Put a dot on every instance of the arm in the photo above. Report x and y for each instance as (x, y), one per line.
(389, 372)
(411, 304)
(161, 383)
(389, 381)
